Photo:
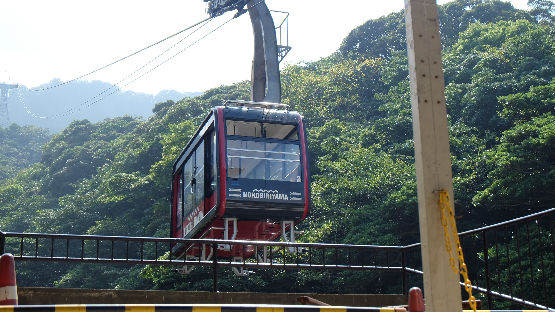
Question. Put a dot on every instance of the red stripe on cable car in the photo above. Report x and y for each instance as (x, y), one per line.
(223, 170)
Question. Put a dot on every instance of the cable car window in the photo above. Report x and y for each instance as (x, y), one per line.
(278, 131)
(214, 173)
(179, 200)
(244, 128)
(285, 163)
(187, 186)
(199, 174)
(263, 160)
(261, 130)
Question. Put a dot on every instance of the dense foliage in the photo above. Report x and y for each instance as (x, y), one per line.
(20, 147)
(113, 177)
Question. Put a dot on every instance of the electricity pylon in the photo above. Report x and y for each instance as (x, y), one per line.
(4, 115)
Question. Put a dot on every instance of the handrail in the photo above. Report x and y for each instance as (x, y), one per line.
(509, 222)
(193, 240)
(504, 251)
(493, 293)
(496, 225)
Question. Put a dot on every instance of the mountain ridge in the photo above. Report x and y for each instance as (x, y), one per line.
(53, 106)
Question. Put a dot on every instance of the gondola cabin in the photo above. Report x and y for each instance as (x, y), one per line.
(243, 176)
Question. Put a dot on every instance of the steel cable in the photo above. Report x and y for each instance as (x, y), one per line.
(103, 94)
(121, 59)
(85, 105)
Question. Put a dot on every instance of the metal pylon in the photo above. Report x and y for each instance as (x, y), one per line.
(4, 115)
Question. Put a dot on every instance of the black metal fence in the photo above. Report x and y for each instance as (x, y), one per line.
(511, 262)
(156, 251)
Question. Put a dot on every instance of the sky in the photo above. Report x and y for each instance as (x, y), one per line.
(64, 39)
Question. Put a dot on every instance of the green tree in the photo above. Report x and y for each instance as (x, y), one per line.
(522, 107)
(382, 37)
(522, 169)
(494, 60)
(542, 10)
(20, 147)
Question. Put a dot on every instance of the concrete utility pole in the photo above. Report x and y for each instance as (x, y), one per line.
(432, 156)
(4, 115)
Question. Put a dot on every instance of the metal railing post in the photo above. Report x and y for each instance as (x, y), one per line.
(486, 264)
(215, 268)
(404, 266)
(2, 243)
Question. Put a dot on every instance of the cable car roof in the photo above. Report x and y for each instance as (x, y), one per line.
(252, 104)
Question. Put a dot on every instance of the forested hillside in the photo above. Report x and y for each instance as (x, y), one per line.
(20, 147)
(113, 177)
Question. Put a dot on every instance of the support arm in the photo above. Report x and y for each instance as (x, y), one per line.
(266, 84)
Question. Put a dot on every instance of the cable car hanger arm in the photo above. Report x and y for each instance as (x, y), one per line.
(265, 77)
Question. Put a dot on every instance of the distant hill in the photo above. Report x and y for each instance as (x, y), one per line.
(54, 109)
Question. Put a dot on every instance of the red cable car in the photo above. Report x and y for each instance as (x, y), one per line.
(243, 176)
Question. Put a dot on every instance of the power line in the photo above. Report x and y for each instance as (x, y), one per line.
(99, 97)
(116, 86)
(113, 86)
(121, 59)
(147, 72)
